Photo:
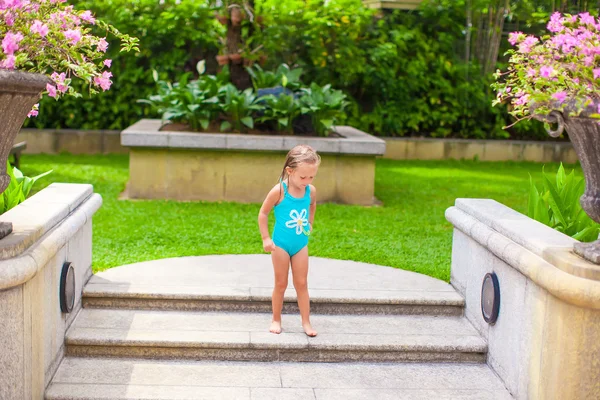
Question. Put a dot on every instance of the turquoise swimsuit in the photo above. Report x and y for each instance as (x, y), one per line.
(291, 222)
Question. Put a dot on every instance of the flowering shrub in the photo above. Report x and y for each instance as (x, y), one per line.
(49, 37)
(559, 71)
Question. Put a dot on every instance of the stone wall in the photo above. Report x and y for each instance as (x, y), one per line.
(49, 141)
(50, 228)
(544, 345)
(244, 168)
(103, 142)
(483, 150)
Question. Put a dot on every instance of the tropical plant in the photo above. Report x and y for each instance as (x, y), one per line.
(324, 105)
(18, 189)
(239, 107)
(283, 76)
(557, 205)
(195, 102)
(211, 99)
(282, 109)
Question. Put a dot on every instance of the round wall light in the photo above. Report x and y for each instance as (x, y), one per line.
(490, 298)
(67, 288)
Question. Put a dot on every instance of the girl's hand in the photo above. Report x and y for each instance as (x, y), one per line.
(268, 245)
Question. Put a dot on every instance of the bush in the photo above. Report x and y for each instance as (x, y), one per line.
(18, 188)
(170, 41)
(402, 71)
(212, 100)
(557, 206)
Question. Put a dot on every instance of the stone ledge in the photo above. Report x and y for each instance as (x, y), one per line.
(565, 280)
(39, 214)
(547, 243)
(146, 133)
(22, 260)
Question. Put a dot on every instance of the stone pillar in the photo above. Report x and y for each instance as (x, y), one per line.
(52, 227)
(544, 344)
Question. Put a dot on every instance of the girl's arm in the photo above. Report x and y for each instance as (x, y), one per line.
(263, 218)
(313, 205)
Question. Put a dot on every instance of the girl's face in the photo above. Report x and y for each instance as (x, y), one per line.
(303, 175)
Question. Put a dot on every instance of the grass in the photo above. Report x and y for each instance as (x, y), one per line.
(409, 231)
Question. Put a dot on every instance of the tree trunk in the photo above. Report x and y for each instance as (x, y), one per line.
(239, 76)
(490, 24)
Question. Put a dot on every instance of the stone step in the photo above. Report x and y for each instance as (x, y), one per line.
(245, 337)
(243, 283)
(101, 379)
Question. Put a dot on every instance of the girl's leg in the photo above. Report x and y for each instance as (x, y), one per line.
(300, 274)
(281, 268)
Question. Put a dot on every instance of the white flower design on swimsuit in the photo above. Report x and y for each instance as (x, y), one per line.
(298, 220)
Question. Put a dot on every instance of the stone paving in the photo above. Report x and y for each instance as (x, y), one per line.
(196, 328)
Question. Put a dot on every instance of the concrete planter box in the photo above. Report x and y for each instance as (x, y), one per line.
(393, 4)
(544, 345)
(243, 168)
(50, 228)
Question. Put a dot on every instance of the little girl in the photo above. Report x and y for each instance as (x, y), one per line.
(295, 203)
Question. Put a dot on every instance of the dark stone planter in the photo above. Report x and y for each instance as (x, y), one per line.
(584, 133)
(19, 91)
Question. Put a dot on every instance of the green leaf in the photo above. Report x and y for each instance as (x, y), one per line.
(327, 123)
(225, 126)
(283, 121)
(555, 202)
(534, 199)
(248, 121)
(560, 177)
(284, 81)
(155, 75)
(201, 67)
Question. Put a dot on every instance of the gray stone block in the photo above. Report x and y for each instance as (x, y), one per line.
(281, 394)
(78, 391)
(12, 363)
(191, 140)
(147, 133)
(254, 142)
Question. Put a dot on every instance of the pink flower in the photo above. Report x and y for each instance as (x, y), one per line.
(51, 90)
(596, 72)
(34, 111)
(525, 46)
(9, 18)
(102, 45)
(588, 61)
(88, 17)
(531, 73)
(74, 35)
(522, 100)
(8, 63)
(586, 18)
(107, 63)
(10, 43)
(560, 96)
(60, 81)
(556, 23)
(39, 28)
(103, 81)
(513, 37)
(546, 72)
(11, 4)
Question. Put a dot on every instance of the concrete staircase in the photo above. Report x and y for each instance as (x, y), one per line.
(197, 328)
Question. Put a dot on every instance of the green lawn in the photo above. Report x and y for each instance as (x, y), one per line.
(409, 231)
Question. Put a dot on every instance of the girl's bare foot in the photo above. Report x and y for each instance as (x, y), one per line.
(275, 327)
(308, 329)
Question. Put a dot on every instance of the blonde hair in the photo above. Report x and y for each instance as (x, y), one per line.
(301, 154)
